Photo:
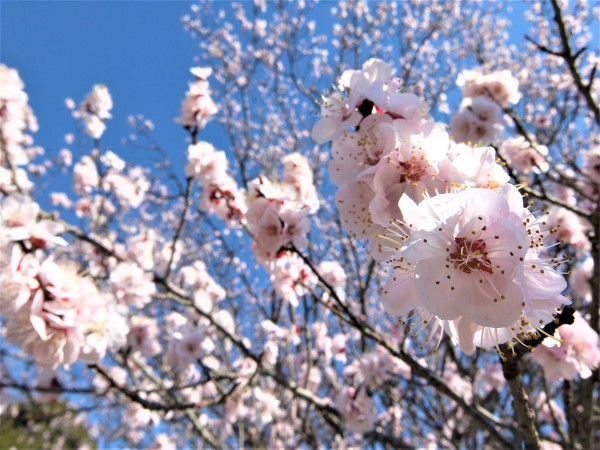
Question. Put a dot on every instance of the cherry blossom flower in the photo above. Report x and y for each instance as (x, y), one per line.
(356, 154)
(576, 351)
(369, 90)
(501, 86)
(58, 316)
(291, 277)
(267, 405)
(357, 409)
(221, 195)
(477, 122)
(474, 257)
(591, 165)
(17, 116)
(524, 157)
(472, 166)
(299, 175)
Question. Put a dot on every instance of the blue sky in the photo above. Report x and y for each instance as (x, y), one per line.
(62, 48)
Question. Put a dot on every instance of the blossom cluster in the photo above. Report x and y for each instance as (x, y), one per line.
(220, 193)
(573, 350)
(466, 256)
(198, 106)
(478, 122)
(52, 312)
(16, 119)
(94, 111)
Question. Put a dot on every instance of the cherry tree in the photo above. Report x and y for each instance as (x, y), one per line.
(398, 248)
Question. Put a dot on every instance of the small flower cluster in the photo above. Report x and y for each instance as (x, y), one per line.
(198, 106)
(465, 255)
(524, 157)
(16, 118)
(478, 121)
(220, 194)
(95, 111)
(574, 350)
(52, 312)
(278, 216)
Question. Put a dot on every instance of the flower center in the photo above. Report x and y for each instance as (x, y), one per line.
(413, 169)
(470, 255)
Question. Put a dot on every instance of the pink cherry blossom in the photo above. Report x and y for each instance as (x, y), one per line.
(592, 163)
(477, 122)
(524, 157)
(357, 409)
(577, 351)
(470, 258)
(501, 86)
(131, 285)
(473, 166)
(355, 154)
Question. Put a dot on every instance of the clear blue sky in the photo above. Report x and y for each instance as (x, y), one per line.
(137, 48)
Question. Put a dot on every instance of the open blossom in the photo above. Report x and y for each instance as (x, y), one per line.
(334, 274)
(362, 93)
(501, 86)
(377, 367)
(277, 216)
(129, 189)
(473, 166)
(567, 227)
(188, 341)
(266, 405)
(205, 163)
(17, 117)
(576, 351)
(355, 154)
(143, 336)
(473, 257)
(524, 157)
